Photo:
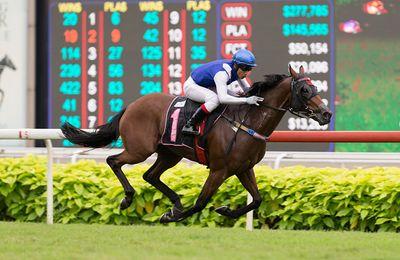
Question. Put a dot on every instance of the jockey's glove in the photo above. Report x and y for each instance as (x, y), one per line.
(253, 100)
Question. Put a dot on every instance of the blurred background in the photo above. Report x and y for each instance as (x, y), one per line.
(83, 61)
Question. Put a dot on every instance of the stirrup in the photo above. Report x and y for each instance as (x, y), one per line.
(190, 130)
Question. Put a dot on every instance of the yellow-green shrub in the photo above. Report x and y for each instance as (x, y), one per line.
(293, 197)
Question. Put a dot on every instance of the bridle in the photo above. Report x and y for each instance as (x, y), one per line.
(297, 102)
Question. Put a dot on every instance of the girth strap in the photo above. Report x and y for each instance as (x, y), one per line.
(249, 131)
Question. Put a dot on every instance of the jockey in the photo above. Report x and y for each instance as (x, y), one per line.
(208, 84)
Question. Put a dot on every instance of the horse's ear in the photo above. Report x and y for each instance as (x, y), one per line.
(301, 69)
(292, 72)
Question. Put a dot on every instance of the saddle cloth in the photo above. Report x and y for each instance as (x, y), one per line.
(179, 111)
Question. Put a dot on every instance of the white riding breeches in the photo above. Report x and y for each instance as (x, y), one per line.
(201, 94)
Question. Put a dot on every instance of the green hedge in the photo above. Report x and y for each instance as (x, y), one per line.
(293, 197)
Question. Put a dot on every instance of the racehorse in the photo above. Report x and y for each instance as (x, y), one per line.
(141, 126)
(5, 62)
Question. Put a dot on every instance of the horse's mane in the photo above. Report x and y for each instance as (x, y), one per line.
(270, 80)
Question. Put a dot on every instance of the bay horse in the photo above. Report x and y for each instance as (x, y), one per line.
(141, 126)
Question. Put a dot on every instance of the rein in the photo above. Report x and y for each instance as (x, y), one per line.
(274, 108)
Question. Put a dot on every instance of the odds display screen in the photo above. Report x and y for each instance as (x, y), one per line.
(102, 55)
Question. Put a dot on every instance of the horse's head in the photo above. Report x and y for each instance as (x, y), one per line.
(305, 100)
(296, 94)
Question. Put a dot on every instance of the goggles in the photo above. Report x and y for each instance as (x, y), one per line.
(245, 67)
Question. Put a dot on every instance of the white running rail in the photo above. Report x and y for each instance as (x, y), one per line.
(39, 134)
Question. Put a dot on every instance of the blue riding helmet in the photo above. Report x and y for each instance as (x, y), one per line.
(244, 57)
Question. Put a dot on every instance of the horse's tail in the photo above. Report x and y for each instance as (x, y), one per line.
(102, 136)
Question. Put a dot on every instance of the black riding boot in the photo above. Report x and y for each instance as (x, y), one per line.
(190, 127)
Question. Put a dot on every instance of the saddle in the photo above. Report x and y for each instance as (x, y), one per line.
(179, 111)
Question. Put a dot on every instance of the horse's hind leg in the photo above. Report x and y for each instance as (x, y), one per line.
(116, 162)
(164, 162)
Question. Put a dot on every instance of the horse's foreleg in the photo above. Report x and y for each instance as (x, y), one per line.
(214, 180)
(164, 162)
(116, 162)
(248, 180)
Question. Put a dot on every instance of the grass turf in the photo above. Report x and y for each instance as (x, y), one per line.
(76, 241)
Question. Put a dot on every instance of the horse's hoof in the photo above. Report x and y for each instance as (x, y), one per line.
(125, 203)
(172, 215)
(167, 217)
(225, 211)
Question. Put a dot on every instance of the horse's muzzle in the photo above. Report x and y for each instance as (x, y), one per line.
(324, 116)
